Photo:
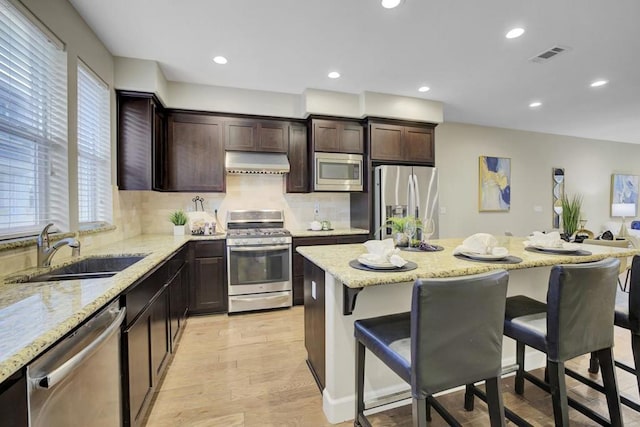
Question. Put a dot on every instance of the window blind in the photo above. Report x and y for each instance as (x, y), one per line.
(33, 127)
(94, 148)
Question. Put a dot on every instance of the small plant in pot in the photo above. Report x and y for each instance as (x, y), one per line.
(179, 220)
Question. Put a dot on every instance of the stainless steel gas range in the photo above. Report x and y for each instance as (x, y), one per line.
(258, 260)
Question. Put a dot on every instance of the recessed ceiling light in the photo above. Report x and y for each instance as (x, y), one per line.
(599, 83)
(220, 60)
(535, 104)
(423, 89)
(390, 4)
(334, 75)
(515, 33)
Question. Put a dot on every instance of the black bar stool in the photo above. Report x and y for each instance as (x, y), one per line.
(451, 337)
(577, 319)
(627, 316)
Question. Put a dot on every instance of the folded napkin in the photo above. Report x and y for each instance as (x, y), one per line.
(481, 243)
(548, 240)
(383, 252)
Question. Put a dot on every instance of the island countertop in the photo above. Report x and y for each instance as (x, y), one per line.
(334, 259)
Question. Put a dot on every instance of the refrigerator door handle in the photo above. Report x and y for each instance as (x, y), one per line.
(416, 186)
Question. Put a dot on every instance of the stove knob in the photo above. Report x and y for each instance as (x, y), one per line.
(258, 241)
(245, 241)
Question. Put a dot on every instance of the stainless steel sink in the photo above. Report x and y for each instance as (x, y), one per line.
(89, 268)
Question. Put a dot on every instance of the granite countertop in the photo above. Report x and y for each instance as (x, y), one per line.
(302, 232)
(335, 260)
(33, 316)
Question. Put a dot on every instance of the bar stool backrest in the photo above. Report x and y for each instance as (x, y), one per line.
(456, 331)
(580, 308)
(634, 295)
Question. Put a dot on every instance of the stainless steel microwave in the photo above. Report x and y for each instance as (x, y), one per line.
(337, 172)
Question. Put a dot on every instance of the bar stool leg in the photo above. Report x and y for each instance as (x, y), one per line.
(519, 381)
(558, 393)
(419, 412)
(635, 348)
(428, 405)
(360, 353)
(469, 401)
(494, 402)
(593, 363)
(605, 356)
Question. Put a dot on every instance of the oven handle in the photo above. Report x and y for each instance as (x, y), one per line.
(258, 248)
(239, 298)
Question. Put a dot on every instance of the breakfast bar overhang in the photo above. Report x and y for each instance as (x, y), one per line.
(336, 295)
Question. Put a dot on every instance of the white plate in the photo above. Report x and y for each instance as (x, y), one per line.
(484, 257)
(566, 248)
(376, 265)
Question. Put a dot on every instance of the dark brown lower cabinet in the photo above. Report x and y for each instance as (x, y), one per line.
(159, 339)
(155, 306)
(298, 266)
(314, 326)
(138, 379)
(13, 401)
(209, 286)
(178, 301)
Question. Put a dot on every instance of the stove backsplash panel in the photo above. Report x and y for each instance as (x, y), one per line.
(247, 192)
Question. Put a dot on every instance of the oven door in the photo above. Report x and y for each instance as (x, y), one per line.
(258, 269)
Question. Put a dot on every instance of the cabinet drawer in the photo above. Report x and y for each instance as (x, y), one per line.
(208, 249)
(141, 294)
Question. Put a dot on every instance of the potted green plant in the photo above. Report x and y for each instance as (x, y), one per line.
(570, 214)
(179, 220)
(398, 225)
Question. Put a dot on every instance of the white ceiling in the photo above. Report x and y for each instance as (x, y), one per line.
(456, 47)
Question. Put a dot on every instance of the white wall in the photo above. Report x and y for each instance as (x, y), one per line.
(588, 166)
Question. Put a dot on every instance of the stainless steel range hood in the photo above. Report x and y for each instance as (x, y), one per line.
(237, 162)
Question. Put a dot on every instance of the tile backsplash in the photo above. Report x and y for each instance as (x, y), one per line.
(246, 192)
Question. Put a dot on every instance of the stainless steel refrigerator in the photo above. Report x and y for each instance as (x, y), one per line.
(400, 190)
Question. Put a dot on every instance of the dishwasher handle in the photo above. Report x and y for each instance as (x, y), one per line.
(54, 377)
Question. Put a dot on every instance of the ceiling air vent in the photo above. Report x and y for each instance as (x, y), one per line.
(549, 53)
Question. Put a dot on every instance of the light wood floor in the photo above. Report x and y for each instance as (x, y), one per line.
(250, 370)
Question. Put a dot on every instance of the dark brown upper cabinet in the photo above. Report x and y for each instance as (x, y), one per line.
(195, 153)
(270, 136)
(337, 136)
(298, 176)
(401, 142)
(141, 141)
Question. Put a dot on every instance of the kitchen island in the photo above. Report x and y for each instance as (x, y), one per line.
(336, 295)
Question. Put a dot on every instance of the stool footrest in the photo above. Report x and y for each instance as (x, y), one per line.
(594, 385)
(506, 370)
(387, 399)
(443, 412)
(573, 403)
(512, 416)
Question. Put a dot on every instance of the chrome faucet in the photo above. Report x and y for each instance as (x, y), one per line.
(46, 252)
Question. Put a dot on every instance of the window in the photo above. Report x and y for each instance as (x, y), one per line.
(33, 127)
(94, 149)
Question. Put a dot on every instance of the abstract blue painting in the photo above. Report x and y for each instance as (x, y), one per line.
(494, 193)
(624, 190)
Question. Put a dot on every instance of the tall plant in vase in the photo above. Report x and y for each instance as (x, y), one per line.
(571, 208)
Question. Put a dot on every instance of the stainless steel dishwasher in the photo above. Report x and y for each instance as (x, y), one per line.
(77, 382)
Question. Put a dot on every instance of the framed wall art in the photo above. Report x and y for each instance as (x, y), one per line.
(558, 192)
(494, 178)
(624, 195)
